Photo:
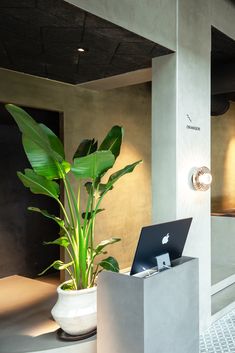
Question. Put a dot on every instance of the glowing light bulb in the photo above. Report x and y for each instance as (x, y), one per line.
(202, 179)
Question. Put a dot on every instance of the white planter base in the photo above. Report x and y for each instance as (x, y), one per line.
(75, 310)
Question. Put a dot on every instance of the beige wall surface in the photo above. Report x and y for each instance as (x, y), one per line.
(90, 114)
(223, 161)
(223, 195)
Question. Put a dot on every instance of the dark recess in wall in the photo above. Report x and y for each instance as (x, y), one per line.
(22, 232)
(222, 72)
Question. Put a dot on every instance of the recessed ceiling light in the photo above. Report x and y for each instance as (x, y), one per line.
(81, 50)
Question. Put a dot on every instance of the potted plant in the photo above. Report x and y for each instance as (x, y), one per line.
(75, 310)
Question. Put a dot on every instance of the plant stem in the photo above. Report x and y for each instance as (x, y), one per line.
(63, 210)
(75, 204)
(69, 203)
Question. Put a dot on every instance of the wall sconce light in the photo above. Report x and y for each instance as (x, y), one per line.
(202, 179)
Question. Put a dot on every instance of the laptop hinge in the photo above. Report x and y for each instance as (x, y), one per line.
(163, 262)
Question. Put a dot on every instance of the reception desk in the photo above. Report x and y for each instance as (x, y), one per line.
(155, 314)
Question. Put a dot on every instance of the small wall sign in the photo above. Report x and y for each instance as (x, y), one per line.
(191, 127)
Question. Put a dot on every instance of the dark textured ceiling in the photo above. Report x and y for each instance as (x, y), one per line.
(41, 37)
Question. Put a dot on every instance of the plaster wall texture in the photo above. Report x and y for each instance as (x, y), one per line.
(193, 147)
(222, 248)
(152, 19)
(222, 14)
(90, 114)
(222, 195)
(185, 78)
(222, 167)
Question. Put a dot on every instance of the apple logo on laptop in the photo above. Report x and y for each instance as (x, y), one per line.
(165, 239)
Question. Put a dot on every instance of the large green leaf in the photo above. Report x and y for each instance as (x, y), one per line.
(54, 140)
(86, 147)
(97, 191)
(117, 175)
(42, 163)
(93, 165)
(99, 248)
(58, 265)
(38, 184)
(113, 141)
(110, 264)
(32, 130)
(90, 214)
(46, 214)
(62, 241)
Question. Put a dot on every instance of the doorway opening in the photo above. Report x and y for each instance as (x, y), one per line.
(22, 232)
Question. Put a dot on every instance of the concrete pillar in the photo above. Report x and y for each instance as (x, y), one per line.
(181, 136)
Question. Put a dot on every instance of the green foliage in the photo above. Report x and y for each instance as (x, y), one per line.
(58, 220)
(86, 147)
(38, 184)
(113, 141)
(93, 165)
(62, 241)
(45, 153)
(110, 264)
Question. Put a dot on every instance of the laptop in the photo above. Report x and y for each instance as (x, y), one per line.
(160, 239)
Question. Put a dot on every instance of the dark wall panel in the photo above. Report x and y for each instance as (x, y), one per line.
(22, 232)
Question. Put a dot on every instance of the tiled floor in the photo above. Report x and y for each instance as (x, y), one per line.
(220, 337)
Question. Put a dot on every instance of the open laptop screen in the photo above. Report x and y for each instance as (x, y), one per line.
(159, 239)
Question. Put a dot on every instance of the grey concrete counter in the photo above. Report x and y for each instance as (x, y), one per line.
(156, 314)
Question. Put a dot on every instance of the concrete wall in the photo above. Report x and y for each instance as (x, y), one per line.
(184, 77)
(181, 86)
(222, 195)
(88, 114)
(222, 248)
(222, 161)
(222, 14)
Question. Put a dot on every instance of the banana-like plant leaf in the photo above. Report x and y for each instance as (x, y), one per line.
(93, 165)
(42, 162)
(110, 264)
(86, 147)
(99, 190)
(58, 220)
(38, 184)
(62, 241)
(32, 130)
(99, 248)
(54, 140)
(57, 265)
(89, 215)
(113, 141)
(117, 175)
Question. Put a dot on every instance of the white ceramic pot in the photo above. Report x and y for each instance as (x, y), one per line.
(75, 310)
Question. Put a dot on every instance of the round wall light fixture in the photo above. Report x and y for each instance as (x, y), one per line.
(202, 179)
